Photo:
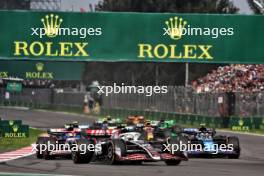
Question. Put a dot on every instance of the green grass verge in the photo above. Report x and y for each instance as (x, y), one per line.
(253, 131)
(9, 144)
(257, 131)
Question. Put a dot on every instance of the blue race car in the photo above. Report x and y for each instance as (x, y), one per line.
(203, 142)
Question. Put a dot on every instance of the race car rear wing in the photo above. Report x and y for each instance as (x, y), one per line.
(100, 132)
(196, 130)
(63, 130)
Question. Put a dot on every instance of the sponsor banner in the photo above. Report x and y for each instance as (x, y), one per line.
(165, 37)
(240, 124)
(246, 123)
(14, 87)
(15, 131)
(41, 70)
(11, 122)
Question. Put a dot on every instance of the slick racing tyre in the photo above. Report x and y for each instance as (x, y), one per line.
(177, 141)
(46, 153)
(79, 156)
(111, 156)
(40, 141)
(236, 147)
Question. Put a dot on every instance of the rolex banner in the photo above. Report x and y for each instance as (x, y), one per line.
(11, 122)
(13, 129)
(157, 37)
(41, 70)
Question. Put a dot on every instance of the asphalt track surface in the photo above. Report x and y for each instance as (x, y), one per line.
(251, 162)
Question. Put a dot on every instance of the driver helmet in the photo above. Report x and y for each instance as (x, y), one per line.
(148, 123)
(108, 118)
(70, 135)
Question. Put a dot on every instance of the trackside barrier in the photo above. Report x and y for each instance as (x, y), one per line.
(234, 123)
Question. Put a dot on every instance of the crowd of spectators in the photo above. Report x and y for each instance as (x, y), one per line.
(232, 78)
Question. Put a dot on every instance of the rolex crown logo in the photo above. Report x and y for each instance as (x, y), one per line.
(51, 25)
(39, 66)
(175, 27)
(241, 122)
(15, 128)
(11, 122)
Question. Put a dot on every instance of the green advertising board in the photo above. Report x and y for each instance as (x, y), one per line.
(13, 129)
(11, 122)
(14, 87)
(159, 37)
(41, 70)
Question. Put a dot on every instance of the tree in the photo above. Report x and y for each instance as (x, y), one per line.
(180, 6)
(15, 4)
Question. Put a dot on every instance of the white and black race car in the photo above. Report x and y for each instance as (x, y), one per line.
(131, 147)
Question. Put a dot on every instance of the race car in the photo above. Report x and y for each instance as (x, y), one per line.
(107, 123)
(204, 143)
(57, 142)
(103, 128)
(135, 120)
(129, 146)
(162, 122)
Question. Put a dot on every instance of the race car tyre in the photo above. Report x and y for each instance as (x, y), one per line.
(111, 157)
(235, 142)
(46, 153)
(119, 143)
(40, 141)
(81, 157)
(173, 162)
(177, 141)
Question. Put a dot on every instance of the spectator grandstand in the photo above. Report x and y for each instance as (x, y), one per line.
(232, 78)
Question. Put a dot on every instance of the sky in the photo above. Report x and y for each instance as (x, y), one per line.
(76, 5)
